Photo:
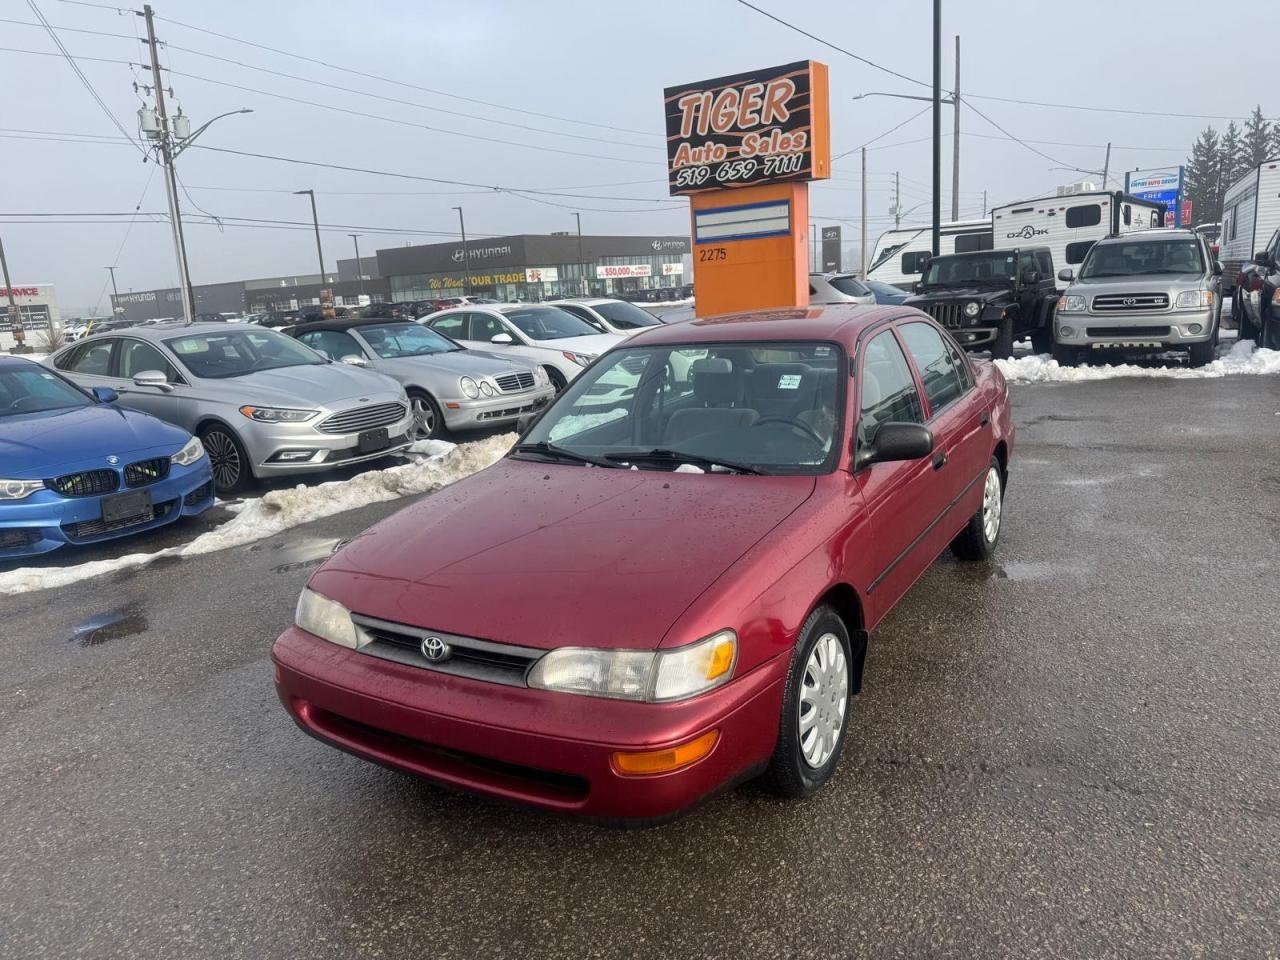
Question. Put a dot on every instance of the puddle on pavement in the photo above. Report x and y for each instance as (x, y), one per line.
(290, 555)
(115, 624)
(1018, 571)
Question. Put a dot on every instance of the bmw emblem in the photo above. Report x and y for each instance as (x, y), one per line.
(435, 649)
(113, 459)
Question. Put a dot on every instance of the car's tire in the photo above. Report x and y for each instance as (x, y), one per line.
(978, 539)
(1002, 346)
(1202, 353)
(1066, 356)
(558, 379)
(1042, 339)
(232, 472)
(1244, 326)
(428, 422)
(816, 705)
(1269, 335)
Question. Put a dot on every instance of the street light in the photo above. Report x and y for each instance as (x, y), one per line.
(466, 263)
(355, 238)
(190, 138)
(315, 220)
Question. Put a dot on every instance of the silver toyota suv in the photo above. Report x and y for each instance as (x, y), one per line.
(1148, 291)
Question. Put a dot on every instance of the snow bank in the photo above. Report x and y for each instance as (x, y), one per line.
(1241, 358)
(280, 510)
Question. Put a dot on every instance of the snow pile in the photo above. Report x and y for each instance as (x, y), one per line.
(1242, 358)
(280, 510)
(688, 301)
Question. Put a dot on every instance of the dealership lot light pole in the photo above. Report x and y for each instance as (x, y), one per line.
(466, 261)
(315, 221)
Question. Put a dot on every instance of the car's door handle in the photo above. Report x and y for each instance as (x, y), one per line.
(986, 418)
(939, 459)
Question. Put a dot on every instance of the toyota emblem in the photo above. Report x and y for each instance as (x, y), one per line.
(1130, 301)
(435, 649)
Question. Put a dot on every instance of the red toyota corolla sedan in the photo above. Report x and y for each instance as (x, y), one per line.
(666, 587)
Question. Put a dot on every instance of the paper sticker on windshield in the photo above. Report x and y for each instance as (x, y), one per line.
(789, 381)
(48, 376)
(822, 351)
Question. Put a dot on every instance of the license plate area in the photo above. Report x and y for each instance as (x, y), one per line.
(371, 441)
(125, 508)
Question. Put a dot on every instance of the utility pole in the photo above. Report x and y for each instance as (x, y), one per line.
(862, 243)
(1106, 166)
(115, 294)
(355, 238)
(466, 261)
(897, 200)
(315, 221)
(936, 245)
(984, 203)
(955, 143)
(15, 315)
(581, 262)
(170, 178)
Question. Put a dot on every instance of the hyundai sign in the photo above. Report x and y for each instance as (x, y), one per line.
(1164, 186)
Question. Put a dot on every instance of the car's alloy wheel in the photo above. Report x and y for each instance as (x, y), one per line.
(824, 699)
(424, 417)
(227, 460)
(991, 505)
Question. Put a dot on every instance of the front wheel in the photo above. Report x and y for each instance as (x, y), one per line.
(428, 423)
(1201, 353)
(1002, 348)
(977, 541)
(1042, 339)
(227, 457)
(815, 707)
(1065, 356)
(1245, 329)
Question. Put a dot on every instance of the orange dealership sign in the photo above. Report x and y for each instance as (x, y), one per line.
(764, 126)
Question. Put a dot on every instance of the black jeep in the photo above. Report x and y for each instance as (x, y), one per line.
(991, 298)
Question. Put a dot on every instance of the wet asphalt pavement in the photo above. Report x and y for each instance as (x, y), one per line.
(1072, 751)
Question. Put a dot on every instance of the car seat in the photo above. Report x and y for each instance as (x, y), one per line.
(782, 389)
(718, 386)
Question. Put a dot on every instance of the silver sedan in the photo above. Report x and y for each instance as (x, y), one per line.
(263, 404)
(449, 387)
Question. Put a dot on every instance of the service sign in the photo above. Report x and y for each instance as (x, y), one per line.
(764, 126)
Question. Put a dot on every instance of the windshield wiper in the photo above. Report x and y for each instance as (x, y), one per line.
(661, 455)
(542, 448)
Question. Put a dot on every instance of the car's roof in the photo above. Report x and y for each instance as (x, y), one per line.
(836, 321)
(167, 328)
(1152, 236)
(349, 323)
(585, 301)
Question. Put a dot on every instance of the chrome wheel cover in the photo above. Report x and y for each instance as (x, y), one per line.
(824, 698)
(424, 418)
(224, 458)
(991, 505)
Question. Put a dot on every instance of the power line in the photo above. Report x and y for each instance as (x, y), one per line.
(1024, 143)
(94, 33)
(841, 156)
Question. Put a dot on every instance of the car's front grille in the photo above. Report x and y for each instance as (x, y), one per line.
(514, 382)
(950, 315)
(18, 539)
(88, 529)
(1127, 332)
(1130, 302)
(467, 657)
(508, 412)
(364, 418)
(89, 483)
(146, 471)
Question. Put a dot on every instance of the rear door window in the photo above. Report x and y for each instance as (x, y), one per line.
(943, 383)
(452, 325)
(93, 359)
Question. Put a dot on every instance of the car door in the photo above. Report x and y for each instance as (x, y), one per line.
(959, 420)
(89, 363)
(133, 357)
(900, 498)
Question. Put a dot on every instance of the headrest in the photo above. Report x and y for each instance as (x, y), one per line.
(715, 380)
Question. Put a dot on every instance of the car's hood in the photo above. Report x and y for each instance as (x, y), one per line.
(457, 364)
(974, 292)
(1142, 283)
(312, 384)
(549, 555)
(41, 445)
(595, 344)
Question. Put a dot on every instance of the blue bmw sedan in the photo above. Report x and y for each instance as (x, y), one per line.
(74, 468)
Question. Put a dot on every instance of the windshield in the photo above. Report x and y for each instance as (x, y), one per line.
(768, 407)
(626, 316)
(549, 323)
(216, 356)
(849, 286)
(1142, 257)
(393, 340)
(996, 266)
(33, 389)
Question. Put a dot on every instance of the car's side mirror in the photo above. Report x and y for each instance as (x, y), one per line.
(503, 339)
(1066, 275)
(1217, 268)
(355, 360)
(1263, 259)
(896, 441)
(151, 378)
(104, 395)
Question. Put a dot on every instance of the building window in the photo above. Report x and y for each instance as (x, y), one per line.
(1089, 215)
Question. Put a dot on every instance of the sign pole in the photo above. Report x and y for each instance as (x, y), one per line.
(15, 315)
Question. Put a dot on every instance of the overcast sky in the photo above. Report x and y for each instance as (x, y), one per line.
(604, 63)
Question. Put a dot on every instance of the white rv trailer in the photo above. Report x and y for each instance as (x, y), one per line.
(1070, 224)
(1250, 216)
(900, 253)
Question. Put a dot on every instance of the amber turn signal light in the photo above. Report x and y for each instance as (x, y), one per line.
(664, 761)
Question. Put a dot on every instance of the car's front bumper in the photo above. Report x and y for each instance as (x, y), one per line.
(1159, 330)
(465, 414)
(267, 445)
(46, 520)
(541, 748)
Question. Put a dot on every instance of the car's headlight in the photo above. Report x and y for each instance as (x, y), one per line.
(277, 414)
(328, 620)
(486, 388)
(1195, 298)
(469, 387)
(540, 376)
(1070, 304)
(19, 489)
(192, 451)
(581, 359)
(972, 309)
(639, 674)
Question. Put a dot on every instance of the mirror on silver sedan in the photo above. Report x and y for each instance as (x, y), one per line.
(504, 339)
(152, 378)
(355, 360)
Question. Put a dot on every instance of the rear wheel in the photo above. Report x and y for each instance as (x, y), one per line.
(977, 541)
(227, 457)
(428, 424)
(1245, 329)
(1065, 356)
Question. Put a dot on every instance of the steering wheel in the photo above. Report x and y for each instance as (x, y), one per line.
(798, 424)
